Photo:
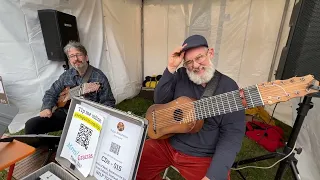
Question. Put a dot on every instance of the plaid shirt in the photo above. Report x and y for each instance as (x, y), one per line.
(71, 78)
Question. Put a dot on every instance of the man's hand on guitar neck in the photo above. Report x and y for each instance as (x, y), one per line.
(46, 113)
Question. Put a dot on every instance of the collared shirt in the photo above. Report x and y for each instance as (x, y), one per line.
(71, 78)
(220, 137)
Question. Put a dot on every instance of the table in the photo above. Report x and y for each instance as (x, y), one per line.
(12, 152)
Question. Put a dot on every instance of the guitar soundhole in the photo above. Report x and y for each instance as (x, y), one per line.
(178, 115)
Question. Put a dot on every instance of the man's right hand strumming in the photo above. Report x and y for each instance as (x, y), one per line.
(46, 113)
(175, 59)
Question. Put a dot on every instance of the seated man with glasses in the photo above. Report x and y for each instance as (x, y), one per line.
(48, 120)
(209, 153)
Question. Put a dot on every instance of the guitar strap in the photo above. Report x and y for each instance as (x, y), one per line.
(212, 85)
(87, 74)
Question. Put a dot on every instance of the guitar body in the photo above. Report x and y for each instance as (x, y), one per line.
(185, 115)
(165, 120)
(65, 96)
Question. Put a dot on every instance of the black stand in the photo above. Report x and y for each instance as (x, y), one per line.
(6, 140)
(291, 161)
(66, 66)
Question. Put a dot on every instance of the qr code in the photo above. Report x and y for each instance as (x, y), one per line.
(83, 136)
(115, 148)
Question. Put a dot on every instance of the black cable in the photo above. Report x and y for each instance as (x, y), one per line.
(272, 113)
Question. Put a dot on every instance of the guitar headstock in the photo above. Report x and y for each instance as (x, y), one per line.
(90, 87)
(283, 90)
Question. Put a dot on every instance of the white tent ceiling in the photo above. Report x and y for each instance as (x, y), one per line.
(244, 34)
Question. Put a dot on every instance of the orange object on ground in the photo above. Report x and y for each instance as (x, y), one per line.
(12, 152)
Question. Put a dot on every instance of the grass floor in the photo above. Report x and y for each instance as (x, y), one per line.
(249, 148)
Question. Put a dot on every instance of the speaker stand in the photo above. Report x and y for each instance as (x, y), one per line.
(291, 161)
(66, 66)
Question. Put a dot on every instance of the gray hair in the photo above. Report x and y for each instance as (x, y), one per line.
(75, 44)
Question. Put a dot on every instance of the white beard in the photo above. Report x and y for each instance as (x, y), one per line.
(205, 77)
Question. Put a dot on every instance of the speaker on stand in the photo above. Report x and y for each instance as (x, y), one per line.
(58, 29)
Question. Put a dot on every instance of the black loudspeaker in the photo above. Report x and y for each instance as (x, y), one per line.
(301, 56)
(58, 29)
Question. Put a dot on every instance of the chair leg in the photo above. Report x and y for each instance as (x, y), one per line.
(10, 173)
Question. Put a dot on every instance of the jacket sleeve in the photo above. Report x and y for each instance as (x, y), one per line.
(105, 94)
(50, 97)
(164, 91)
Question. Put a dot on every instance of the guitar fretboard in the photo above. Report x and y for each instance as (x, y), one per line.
(227, 103)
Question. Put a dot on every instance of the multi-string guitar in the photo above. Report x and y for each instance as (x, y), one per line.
(185, 115)
(80, 90)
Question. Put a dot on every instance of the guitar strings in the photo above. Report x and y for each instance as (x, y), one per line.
(175, 107)
(206, 106)
(223, 98)
(263, 90)
(194, 115)
(221, 95)
(199, 114)
(191, 115)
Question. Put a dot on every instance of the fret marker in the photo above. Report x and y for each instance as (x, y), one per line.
(269, 102)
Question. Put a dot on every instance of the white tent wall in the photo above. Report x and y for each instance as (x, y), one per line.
(309, 141)
(122, 27)
(243, 34)
(26, 71)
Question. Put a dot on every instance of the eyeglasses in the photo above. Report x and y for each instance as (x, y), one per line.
(199, 59)
(72, 56)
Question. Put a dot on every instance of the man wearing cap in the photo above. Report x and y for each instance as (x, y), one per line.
(209, 153)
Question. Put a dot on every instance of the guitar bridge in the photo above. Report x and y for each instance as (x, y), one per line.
(154, 122)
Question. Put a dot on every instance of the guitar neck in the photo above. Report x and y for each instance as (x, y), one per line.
(227, 103)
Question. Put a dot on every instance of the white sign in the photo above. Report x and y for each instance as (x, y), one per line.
(82, 138)
(115, 160)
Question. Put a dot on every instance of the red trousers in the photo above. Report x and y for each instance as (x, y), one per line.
(157, 155)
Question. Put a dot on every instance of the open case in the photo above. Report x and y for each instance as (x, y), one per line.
(109, 162)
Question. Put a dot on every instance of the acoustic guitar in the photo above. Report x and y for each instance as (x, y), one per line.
(186, 115)
(67, 93)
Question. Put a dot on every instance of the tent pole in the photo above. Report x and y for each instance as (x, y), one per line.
(284, 15)
(142, 40)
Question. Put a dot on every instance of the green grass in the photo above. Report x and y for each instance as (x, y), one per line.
(249, 148)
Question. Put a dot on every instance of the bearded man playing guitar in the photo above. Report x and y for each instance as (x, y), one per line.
(210, 152)
(48, 120)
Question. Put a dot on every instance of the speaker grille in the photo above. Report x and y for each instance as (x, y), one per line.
(303, 53)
